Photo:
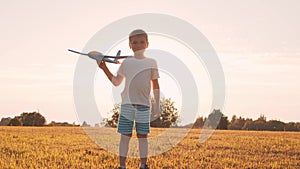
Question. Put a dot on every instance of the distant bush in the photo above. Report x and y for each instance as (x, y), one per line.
(63, 124)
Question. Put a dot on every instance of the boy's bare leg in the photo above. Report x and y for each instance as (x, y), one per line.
(123, 148)
(143, 147)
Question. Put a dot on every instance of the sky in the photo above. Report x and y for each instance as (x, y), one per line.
(257, 42)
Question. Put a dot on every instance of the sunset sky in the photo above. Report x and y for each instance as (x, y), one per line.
(257, 42)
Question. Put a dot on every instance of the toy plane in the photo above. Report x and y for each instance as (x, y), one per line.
(99, 56)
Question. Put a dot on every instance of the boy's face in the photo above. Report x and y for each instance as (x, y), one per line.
(138, 43)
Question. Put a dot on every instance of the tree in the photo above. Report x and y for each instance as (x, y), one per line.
(274, 125)
(233, 119)
(85, 124)
(259, 124)
(236, 123)
(5, 121)
(16, 121)
(199, 122)
(247, 123)
(262, 118)
(292, 126)
(168, 116)
(27, 119)
(223, 124)
(115, 113)
(216, 119)
(32, 119)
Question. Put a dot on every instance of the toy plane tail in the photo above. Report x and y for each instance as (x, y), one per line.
(117, 55)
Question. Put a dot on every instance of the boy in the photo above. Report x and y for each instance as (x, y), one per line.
(138, 72)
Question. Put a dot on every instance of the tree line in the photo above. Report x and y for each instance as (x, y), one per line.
(25, 119)
(240, 123)
(169, 117)
(31, 119)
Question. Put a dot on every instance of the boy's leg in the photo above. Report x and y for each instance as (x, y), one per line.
(123, 148)
(125, 126)
(142, 118)
(143, 147)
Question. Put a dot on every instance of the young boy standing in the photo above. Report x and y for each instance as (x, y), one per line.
(139, 72)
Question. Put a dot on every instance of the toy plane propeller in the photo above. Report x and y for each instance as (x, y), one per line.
(99, 56)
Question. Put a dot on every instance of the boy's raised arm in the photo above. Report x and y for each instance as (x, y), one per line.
(115, 80)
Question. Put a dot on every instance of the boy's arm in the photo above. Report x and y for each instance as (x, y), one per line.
(156, 93)
(115, 80)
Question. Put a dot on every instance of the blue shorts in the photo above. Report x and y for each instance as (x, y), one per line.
(140, 114)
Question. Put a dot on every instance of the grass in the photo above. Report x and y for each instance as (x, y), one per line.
(70, 147)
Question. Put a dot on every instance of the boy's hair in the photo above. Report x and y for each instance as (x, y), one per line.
(138, 32)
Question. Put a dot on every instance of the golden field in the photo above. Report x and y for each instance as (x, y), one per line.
(70, 147)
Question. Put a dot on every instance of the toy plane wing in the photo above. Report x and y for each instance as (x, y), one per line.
(77, 52)
(99, 56)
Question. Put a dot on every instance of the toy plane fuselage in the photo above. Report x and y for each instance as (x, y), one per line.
(99, 56)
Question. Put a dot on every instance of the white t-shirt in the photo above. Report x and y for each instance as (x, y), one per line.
(138, 74)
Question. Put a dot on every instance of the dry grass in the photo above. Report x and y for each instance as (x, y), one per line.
(63, 147)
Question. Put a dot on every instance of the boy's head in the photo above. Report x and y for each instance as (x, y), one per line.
(138, 32)
(138, 40)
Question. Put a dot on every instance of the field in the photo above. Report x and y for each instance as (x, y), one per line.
(70, 147)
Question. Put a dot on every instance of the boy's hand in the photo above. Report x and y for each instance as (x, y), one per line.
(156, 113)
(101, 64)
